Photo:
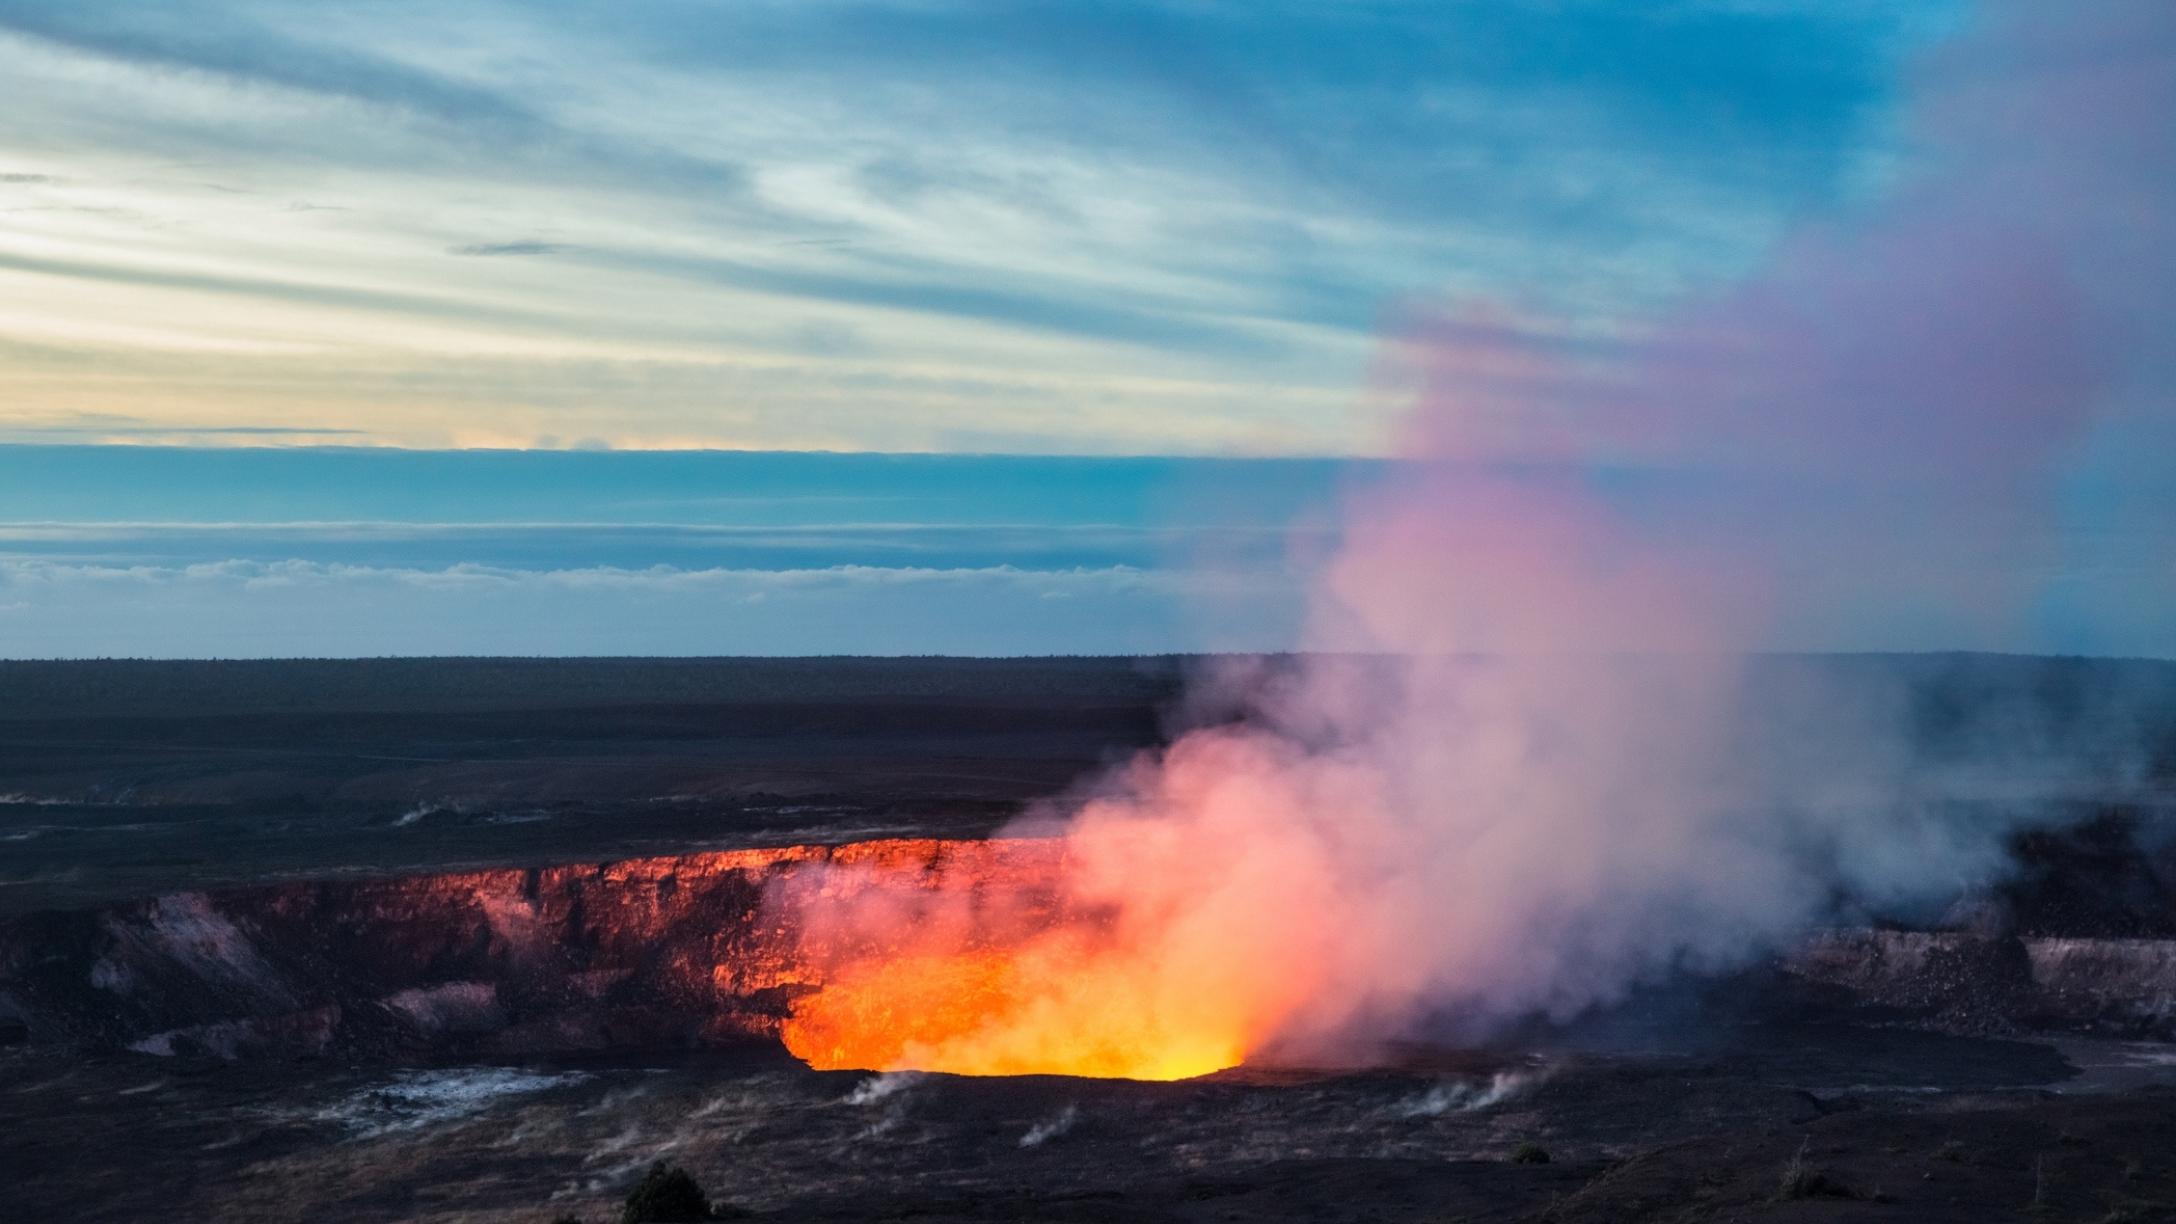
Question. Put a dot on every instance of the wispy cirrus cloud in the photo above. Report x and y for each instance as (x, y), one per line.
(1076, 227)
(522, 246)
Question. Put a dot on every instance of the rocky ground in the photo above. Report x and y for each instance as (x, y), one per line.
(1766, 1122)
(126, 780)
(290, 945)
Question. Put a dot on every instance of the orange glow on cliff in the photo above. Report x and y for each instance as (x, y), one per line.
(996, 958)
(1196, 917)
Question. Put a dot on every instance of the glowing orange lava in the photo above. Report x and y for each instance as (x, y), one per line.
(980, 961)
(1035, 1012)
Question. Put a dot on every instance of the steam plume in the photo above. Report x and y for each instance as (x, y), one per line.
(1515, 777)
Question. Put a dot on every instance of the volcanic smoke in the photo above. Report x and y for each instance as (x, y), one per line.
(1515, 777)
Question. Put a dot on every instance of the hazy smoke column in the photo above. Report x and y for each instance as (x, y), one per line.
(1537, 790)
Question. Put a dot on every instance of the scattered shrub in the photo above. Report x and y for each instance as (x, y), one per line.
(666, 1196)
(1804, 1181)
(1529, 1152)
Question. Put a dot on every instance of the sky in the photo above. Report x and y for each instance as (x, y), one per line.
(522, 327)
(1123, 227)
(183, 551)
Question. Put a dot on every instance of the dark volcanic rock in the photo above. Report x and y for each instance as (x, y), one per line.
(647, 953)
(679, 951)
(1977, 984)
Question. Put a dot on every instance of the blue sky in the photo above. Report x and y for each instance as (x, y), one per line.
(236, 552)
(383, 327)
(1113, 227)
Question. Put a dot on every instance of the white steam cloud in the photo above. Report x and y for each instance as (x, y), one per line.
(1534, 761)
(1541, 773)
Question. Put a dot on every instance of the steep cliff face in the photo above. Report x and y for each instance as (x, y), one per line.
(695, 949)
(1997, 983)
(646, 952)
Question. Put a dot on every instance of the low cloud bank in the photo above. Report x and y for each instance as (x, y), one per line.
(240, 609)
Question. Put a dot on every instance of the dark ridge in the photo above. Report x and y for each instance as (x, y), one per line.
(99, 688)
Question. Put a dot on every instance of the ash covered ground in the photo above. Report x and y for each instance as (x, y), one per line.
(249, 971)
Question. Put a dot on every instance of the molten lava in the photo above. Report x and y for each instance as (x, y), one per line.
(982, 958)
(1194, 918)
(1052, 1008)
